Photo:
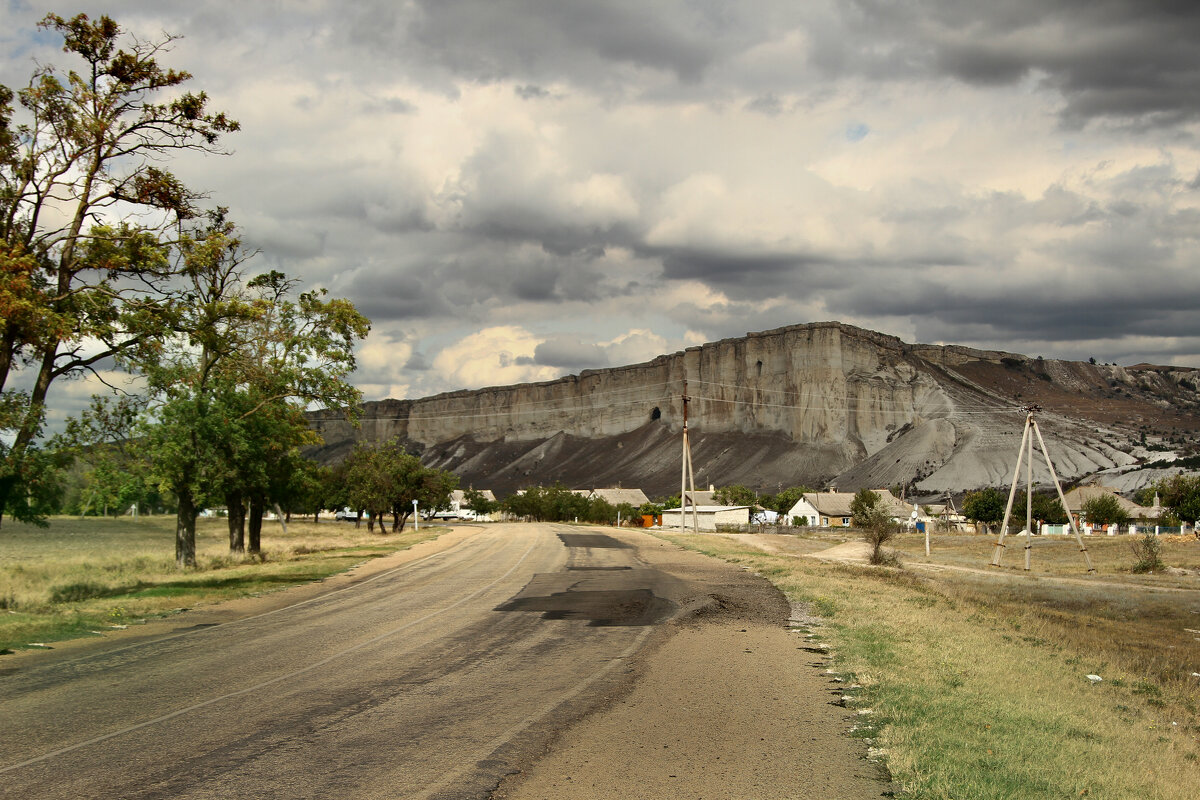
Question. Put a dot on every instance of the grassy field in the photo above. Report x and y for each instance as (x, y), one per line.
(976, 678)
(81, 576)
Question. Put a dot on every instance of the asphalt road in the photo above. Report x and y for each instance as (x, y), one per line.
(431, 680)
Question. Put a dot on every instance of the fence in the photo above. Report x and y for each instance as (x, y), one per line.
(1115, 530)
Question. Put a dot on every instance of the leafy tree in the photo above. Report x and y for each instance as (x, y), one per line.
(670, 501)
(866, 509)
(479, 503)
(651, 509)
(385, 479)
(877, 525)
(783, 502)
(1046, 507)
(105, 438)
(1104, 510)
(227, 412)
(985, 507)
(736, 495)
(81, 147)
(304, 492)
(1181, 494)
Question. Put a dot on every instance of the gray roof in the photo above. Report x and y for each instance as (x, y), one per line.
(635, 497)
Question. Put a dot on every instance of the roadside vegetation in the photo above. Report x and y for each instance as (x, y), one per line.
(557, 503)
(82, 577)
(975, 680)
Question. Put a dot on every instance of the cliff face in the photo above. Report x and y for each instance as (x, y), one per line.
(796, 405)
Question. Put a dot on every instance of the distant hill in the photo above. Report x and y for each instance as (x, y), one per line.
(807, 404)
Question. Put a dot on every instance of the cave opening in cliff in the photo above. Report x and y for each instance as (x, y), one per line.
(655, 414)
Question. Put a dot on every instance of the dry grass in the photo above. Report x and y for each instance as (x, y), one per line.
(79, 576)
(1050, 555)
(977, 680)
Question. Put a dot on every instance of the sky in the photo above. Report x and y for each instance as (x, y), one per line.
(515, 190)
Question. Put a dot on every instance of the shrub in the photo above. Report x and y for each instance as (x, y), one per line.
(1147, 554)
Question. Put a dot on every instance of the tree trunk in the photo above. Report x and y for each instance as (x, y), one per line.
(284, 519)
(357, 519)
(237, 521)
(185, 531)
(403, 519)
(370, 523)
(254, 546)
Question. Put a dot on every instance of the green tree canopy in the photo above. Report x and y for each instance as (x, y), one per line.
(1181, 494)
(479, 503)
(1046, 507)
(866, 509)
(78, 147)
(230, 383)
(385, 479)
(985, 506)
(736, 495)
(1104, 510)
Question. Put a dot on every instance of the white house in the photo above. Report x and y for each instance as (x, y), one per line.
(458, 506)
(707, 517)
(832, 509)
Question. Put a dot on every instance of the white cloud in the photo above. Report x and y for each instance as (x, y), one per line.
(492, 357)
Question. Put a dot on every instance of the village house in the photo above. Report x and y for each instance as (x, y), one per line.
(1080, 496)
(832, 509)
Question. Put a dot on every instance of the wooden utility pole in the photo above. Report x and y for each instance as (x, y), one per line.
(687, 476)
(1025, 453)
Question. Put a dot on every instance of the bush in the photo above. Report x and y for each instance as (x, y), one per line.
(877, 526)
(1147, 554)
(880, 531)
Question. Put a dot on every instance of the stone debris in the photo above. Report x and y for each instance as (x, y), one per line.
(1094, 678)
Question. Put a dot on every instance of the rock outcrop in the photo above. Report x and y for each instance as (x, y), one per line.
(805, 404)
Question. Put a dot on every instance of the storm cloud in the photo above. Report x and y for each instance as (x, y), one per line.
(519, 189)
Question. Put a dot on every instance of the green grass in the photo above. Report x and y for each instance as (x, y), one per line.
(977, 683)
(79, 577)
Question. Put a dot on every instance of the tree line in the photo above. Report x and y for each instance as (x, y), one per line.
(1179, 496)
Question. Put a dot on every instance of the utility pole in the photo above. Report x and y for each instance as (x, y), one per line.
(687, 474)
(1026, 450)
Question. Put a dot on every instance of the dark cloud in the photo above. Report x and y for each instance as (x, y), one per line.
(727, 267)
(570, 353)
(530, 92)
(768, 104)
(507, 38)
(417, 363)
(1133, 61)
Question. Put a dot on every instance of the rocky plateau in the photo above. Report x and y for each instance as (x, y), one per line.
(815, 405)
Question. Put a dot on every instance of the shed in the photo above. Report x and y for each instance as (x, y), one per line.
(707, 517)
